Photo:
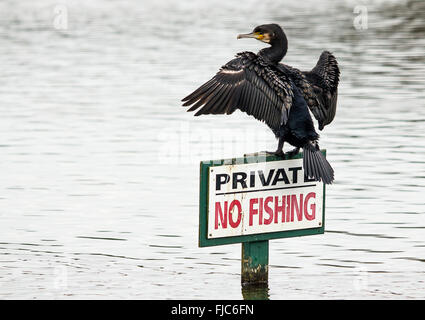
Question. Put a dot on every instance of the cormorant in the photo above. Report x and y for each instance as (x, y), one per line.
(277, 94)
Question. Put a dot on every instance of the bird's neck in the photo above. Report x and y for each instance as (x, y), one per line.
(276, 51)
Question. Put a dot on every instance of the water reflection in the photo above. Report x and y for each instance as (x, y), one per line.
(255, 291)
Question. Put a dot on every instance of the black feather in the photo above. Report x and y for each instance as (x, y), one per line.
(243, 84)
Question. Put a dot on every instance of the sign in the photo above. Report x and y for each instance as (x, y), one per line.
(258, 198)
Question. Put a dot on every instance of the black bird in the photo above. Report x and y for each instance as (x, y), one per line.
(277, 94)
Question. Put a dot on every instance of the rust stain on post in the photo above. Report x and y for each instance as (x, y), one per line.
(255, 262)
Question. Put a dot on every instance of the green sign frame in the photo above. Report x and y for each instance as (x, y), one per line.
(203, 204)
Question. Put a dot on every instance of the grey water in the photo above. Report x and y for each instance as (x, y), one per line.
(99, 163)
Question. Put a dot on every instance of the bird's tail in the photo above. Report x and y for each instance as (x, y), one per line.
(315, 164)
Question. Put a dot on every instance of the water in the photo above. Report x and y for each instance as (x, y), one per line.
(99, 163)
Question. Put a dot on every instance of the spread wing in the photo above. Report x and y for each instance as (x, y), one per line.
(318, 86)
(324, 78)
(249, 84)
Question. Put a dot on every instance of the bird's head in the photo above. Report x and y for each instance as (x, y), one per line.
(268, 33)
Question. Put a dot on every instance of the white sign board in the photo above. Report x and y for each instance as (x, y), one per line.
(256, 198)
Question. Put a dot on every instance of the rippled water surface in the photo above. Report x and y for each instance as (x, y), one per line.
(100, 165)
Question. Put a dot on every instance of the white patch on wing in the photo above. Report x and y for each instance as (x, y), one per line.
(228, 71)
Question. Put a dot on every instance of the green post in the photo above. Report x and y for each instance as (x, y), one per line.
(255, 262)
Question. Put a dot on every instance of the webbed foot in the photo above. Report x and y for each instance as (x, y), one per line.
(293, 152)
(278, 153)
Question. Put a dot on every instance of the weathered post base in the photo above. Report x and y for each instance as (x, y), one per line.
(255, 262)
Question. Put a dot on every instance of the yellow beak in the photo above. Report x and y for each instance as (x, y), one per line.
(255, 35)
